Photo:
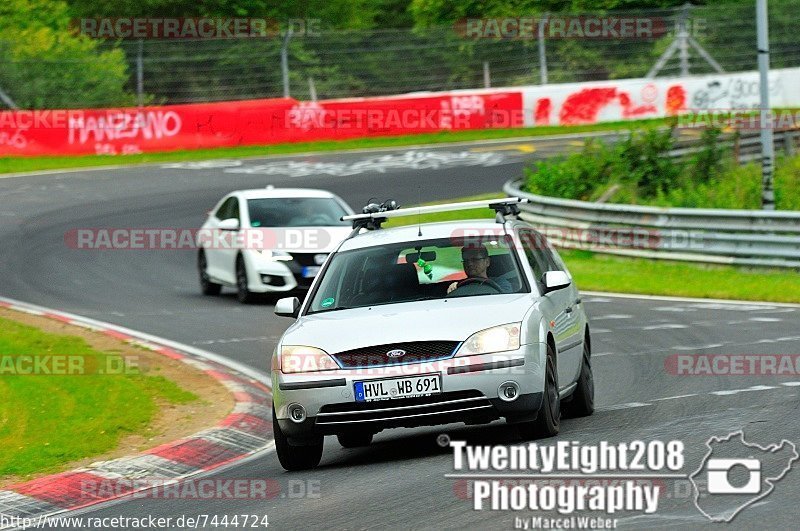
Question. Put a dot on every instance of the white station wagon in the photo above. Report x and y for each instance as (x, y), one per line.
(466, 321)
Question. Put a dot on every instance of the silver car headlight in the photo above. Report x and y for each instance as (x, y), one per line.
(302, 358)
(495, 339)
(269, 254)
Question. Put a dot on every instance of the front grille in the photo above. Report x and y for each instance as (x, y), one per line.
(376, 356)
(455, 406)
(305, 259)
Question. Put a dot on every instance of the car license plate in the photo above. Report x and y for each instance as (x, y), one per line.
(310, 271)
(390, 388)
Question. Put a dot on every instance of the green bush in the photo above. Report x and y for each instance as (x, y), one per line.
(643, 173)
(639, 163)
(787, 184)
(573, 177)
(643, 161)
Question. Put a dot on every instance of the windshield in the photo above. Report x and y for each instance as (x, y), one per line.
(413, 271)
(296, 212)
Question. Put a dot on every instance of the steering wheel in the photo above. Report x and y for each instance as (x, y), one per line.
(480, 281)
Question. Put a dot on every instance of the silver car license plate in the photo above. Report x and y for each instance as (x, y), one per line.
(390, 388)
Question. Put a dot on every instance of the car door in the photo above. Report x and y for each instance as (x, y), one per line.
(558, 307)
(219, 258)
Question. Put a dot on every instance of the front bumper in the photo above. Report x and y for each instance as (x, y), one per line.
(275, 276)
(470, 394)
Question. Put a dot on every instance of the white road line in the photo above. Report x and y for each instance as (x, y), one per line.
(601, 354)
(765, 319)
(697, 347)
(627, 405)
(665, 326)
(727, 392)
(747, 390)
(686, 299)
(612, 316)
(675, 397)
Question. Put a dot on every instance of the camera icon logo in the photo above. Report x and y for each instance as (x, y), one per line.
(735, 474)
(720, 471)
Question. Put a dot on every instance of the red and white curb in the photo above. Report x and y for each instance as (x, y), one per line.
(246, 431)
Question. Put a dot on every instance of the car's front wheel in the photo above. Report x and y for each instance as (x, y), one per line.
(296, 457)
(548, 420)
(206, 286)
(243, 293)
(355, 440)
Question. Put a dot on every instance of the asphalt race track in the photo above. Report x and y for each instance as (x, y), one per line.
(399, 481)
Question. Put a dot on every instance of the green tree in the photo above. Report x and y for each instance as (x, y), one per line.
(46, 65)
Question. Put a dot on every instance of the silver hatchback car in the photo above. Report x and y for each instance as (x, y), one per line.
(466, 321)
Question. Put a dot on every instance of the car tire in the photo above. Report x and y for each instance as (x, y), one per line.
(243, 293)
(355, 440)
(206, 286)
(295, 457)
(548, 420)
(582, 403)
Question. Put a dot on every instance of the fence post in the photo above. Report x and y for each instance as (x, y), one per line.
(285, 61)
(5, 98)
(140, 74)
(542, 51)
(683, 40)
(788, 142)
(767, 142)
(312, 89)
(487, 80)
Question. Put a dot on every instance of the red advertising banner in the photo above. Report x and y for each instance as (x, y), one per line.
(252, 122)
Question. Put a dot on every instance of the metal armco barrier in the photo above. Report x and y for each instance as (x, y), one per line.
(715, 236)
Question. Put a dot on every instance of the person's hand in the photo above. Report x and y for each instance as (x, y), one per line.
(452, 287)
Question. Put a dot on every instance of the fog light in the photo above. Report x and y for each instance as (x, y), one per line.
(273, 280)
(508, 391)
(297, 413)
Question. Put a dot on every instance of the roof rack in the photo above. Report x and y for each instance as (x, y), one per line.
(375, 214)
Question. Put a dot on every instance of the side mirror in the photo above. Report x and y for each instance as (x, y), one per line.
(287, 307)
(554, 280)
(229, 224)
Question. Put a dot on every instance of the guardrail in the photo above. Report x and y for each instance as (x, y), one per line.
(741, 237)
(746, 146)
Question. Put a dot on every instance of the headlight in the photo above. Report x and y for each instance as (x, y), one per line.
(269, 254)
(495, 339)
(299, 358)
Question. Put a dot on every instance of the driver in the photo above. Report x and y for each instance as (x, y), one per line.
(476, 262)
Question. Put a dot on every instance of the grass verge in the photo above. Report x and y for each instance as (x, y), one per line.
(47, 420)
(23, 164)
(599, 272)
